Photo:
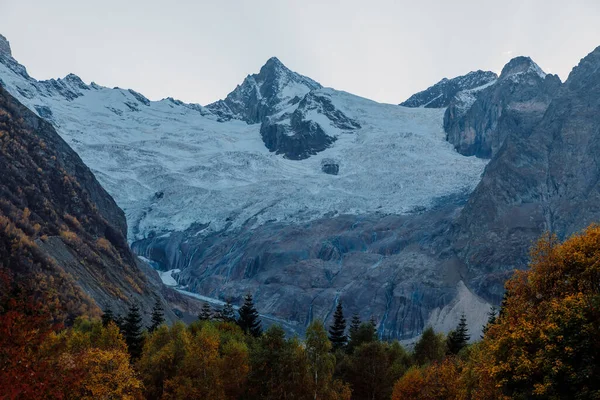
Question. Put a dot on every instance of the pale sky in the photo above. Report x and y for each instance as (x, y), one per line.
(198, 50)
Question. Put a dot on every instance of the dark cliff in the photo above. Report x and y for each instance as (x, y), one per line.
(59, 229)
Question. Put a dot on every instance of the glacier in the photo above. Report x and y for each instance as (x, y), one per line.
(171, 165)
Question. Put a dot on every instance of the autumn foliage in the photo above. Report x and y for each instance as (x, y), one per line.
(543, 345)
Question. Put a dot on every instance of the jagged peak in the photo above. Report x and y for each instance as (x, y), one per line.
(521, 65)
(75, 80)
(274, 69)
(274, 62)
(5, 46)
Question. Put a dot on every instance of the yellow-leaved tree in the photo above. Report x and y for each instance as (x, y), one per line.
(545, 343)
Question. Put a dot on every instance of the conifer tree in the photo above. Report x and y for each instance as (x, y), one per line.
(354, 324)
(158, 316)
(337, 330)
(132, 331)
(205, 312)
(249, 319)
(227, 313)
(365, 333)
(458, 338)
(108, 317)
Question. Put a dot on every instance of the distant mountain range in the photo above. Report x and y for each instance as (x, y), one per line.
(306, 196)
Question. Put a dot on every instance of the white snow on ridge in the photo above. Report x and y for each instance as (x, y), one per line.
(169, 165)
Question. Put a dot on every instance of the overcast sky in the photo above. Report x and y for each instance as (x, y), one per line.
(199, 50)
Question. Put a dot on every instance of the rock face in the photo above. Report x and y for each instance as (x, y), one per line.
(542, 179)
(441, 94)
(71, 232)
(5, 46)
(478, 121)
(388, 267)
(297, 135)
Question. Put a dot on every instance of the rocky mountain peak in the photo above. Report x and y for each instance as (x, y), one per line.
(521, 65)
(273, 63)
(440, 94)
(274, 88)
(5, 46)
(478, 123)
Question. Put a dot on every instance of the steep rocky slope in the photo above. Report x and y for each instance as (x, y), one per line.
(542, 179)
(58, 227)
(478, 121)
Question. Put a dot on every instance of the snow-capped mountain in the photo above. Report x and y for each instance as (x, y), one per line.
(441, 94)
(306, 196)
(171, 165)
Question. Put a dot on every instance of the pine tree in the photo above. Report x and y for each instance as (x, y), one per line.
(158, 317)
(458, 338)
(205, 312)
(249, 319)
(108, 317)
(492, 316)
(132, 331)
(337, 330)
(354, 324)
(227, 314)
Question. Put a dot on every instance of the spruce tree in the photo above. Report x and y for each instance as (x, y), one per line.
(132, 331)
(458, 338)
(227, 314)
(249, 319)
(205, 312)
(108, 317)
(365, 333)
(337, 330)
(354, 324)
(158, 317)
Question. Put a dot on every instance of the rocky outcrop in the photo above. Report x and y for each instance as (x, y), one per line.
(542, 179)
(297, 135)
(59, 229)
(441, 94)
(389, 267)
(330, 166)
(478, 121)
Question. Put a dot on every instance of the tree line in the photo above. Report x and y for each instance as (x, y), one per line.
(542, 343)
